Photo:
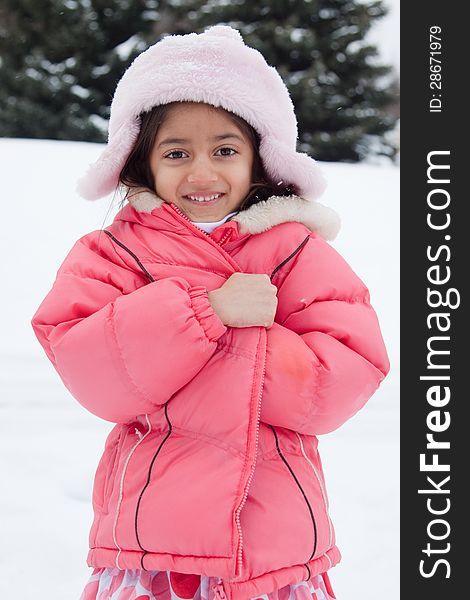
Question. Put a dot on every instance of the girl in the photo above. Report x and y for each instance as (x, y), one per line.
(219, 331)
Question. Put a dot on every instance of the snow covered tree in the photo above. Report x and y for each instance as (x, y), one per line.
(341, 92)
(60, 61)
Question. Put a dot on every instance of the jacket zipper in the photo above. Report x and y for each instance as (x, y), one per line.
(238, 570)
(219, 590)
(322, 489)
(203, 233)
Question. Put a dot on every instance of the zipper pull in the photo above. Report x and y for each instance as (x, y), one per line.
(219, 591)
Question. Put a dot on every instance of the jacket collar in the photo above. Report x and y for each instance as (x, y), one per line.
(264, 215)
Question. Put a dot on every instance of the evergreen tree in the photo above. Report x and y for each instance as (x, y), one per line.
(60, 61)
(341, 92)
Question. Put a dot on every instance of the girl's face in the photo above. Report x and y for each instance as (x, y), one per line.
(199, 152)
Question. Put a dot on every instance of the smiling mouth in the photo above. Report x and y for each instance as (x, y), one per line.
(200, 199)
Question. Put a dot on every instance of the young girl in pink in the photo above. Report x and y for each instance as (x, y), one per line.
(214, 325)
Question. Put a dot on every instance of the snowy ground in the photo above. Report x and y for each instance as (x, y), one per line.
(50, 445)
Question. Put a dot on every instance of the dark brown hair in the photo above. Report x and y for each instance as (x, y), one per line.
(136, 172)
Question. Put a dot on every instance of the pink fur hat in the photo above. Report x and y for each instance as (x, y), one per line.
(217, 68)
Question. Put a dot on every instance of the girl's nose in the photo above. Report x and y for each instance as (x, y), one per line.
(202, 172)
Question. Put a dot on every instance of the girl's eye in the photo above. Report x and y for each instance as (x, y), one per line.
(227, 148)
(174, 152)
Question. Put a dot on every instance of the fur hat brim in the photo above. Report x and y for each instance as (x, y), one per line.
(217, 68)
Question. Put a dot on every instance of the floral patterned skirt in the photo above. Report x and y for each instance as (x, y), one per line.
(136, 584)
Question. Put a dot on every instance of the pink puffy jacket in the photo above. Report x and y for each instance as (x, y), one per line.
(212, 467)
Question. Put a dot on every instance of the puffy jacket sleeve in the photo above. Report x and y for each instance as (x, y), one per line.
(326, 355)
(123, 351)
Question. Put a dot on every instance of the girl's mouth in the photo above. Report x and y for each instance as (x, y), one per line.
(203, 200)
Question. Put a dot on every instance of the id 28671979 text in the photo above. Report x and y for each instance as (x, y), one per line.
(435, 69)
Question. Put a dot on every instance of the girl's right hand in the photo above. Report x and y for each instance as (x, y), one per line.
(245, 300)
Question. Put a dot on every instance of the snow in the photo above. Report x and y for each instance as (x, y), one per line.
(51, 445)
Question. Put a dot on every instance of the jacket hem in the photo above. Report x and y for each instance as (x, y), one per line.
(222, 567)
(274, 580)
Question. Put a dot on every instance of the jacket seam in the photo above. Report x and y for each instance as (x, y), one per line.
(292, 255)
(123, 258)
(304, 494)
(363, 299)
(315, 393)
(209, 440)
(87, 277)
(137, 389)
(229, 349)
(291, 259)
(158, 553)
(311, 413)
(153, 262)
(355, 300)
(265, 455)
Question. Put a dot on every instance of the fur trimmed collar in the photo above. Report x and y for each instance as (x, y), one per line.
(265, 214)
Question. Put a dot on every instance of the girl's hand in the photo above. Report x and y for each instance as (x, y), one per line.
(245, 300)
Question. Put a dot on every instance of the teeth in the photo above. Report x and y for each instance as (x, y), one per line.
(204, 198)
